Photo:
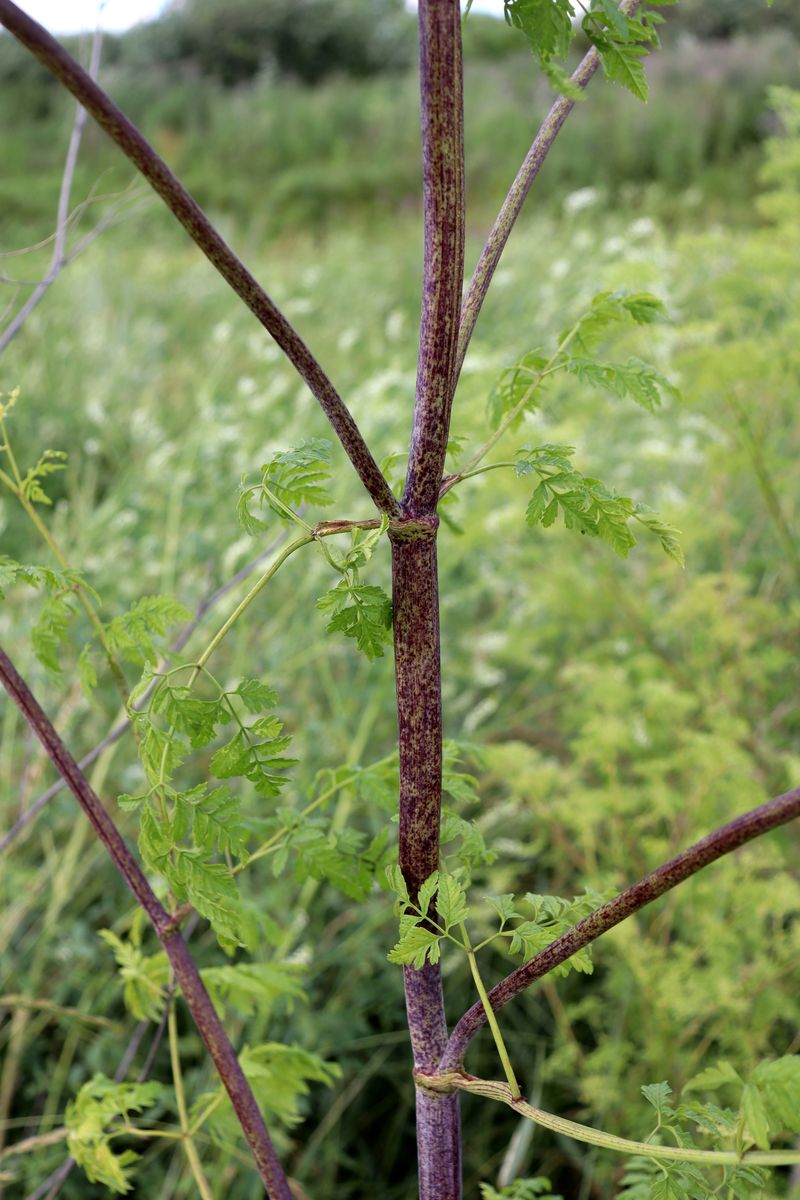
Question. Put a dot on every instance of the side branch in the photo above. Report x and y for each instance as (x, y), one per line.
(58, 258)
(197, 998)
(518, 194)
(722, 841)
(441, 88)
(53, 56)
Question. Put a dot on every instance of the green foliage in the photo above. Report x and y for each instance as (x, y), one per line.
(586, 504)
(144, 976)
(130, 635)
(517, 387)
(361, 611)
(89, 1142)
(420, 936)
(626, 708)
(621, 41)
(612, 308)
(279, 1075)
(769, 1103)
(250, 987)
(48, 463)
(51, 629)
(290, 479)
(181, 830)
(321, 853)
(551, 916)
(635, 379)
(539, 1188)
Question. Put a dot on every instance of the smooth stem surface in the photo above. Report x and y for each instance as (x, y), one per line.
(192, 1157)
(722, 841)
(248, 600)
(183, 206)
(490, 1017)
(194, 992)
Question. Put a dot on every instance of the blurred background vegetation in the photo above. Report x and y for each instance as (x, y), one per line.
(621, 709)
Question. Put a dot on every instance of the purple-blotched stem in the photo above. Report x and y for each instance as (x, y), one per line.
(183, 206)
(194, 992)
(722, 841)
(441, 89)
(415, 580)
(419, 716)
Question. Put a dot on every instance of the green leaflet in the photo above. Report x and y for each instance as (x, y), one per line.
(291, 478)
(49, 462)
(50, 631)
(319, 852)
(515, 384)
(253, 987)
(144, 977)
(608, 309)
(547, 26)
(769, 1102)
(634, 378)
(418, 944)
(182, 831)
(551, 916)
(361, 611)
(212, 818)
(516, 390)
(622, 63)
(621, 41)
(470, 849)
(46, 579)
(585, 503)
(131, 634)
(97, 1103)
(647, 1180)
(521, 1189)
(280, 1076)
(257, 753)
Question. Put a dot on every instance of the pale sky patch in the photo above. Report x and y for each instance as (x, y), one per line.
(73, 16)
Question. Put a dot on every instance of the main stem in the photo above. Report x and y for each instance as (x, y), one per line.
(419, 714)
(414, 569)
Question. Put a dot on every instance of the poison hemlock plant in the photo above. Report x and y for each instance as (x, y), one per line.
(213, 795)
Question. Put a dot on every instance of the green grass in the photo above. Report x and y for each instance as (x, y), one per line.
(624, 708)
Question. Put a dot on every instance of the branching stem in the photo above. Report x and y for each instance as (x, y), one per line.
(183, 206)
(722, 841)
